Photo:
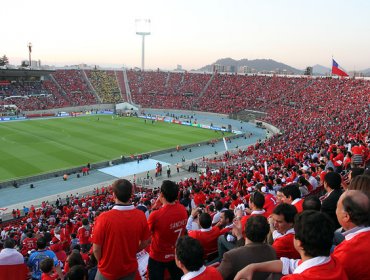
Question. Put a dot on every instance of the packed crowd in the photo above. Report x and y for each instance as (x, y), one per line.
(105, 85)
(167, 89)
(247, 219)
(75, 88)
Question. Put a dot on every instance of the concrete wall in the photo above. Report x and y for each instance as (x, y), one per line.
(73, 109)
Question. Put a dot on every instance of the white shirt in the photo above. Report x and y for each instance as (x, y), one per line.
(291, 266)
(10, 256)
(193, 274)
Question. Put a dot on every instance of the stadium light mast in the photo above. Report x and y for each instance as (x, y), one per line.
(143, 29)
(29, 53)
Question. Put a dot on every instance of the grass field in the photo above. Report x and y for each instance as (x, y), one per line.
(38, 146)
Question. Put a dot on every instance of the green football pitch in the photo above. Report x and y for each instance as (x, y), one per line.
(39, 146)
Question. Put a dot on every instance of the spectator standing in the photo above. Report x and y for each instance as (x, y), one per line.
(83, 234)
(166, 224)
(118, 235)
(36, 258)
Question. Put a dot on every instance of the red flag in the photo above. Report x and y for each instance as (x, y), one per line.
(335, 70)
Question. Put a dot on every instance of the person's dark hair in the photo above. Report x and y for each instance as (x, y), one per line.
(78, 272)
(257, 199)
(302, 180)
(315, 230)
(46, 265)
(77, 247)
(75, 258)
(259, 186)
(278, 181)
(356, 171)
(287, 210)
(361, 183)
(85, 221)
(9, 243)
(205, 220)
(229, 214)
(291, 190)
(330, 169)
(189, 252)
(333, 180)
(122, 189)
(358, 213)
(311, 203)
(170, 190)
(257, 228)
(29, 234)
(41, 243)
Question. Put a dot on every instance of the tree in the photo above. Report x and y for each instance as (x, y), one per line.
(4, 60)
(308, 71)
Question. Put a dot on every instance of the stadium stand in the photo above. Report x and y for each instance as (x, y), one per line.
(320, 119)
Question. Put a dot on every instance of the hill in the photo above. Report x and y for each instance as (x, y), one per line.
(256, 65)
(320, 70)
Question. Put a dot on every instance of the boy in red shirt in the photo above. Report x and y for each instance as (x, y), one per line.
(189, 258)
(47, 268)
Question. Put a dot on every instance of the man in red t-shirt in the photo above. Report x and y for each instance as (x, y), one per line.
(166, 224)
(118, 235)
(189, 258)
(83, 234)
(29, 243)
(207, 235)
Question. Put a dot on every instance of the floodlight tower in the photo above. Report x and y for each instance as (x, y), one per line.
(29, 53)
(143, 29)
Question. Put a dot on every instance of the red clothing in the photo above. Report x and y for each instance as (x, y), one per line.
(332, 270)
(270, 203)
(352, 253)
(284, 247)
(208, 239)
(28, 244)
(166, 224)
(206, 273)
(199, 198)
(83, 234)
(298, 205)
(244, 219)
(119, 232)
(53, 276)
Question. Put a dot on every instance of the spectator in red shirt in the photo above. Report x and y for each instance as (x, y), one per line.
(48, 271)
(314, 235)
(189, 258)
(292, 195)
(29, 243)
(119, 234)
(166, 224)
(282, 220)
(207, 235)
(353, 215)
(83, 234)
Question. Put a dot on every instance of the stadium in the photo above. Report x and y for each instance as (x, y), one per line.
(129, 173)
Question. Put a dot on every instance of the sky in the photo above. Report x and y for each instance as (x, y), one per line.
(191, 33)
